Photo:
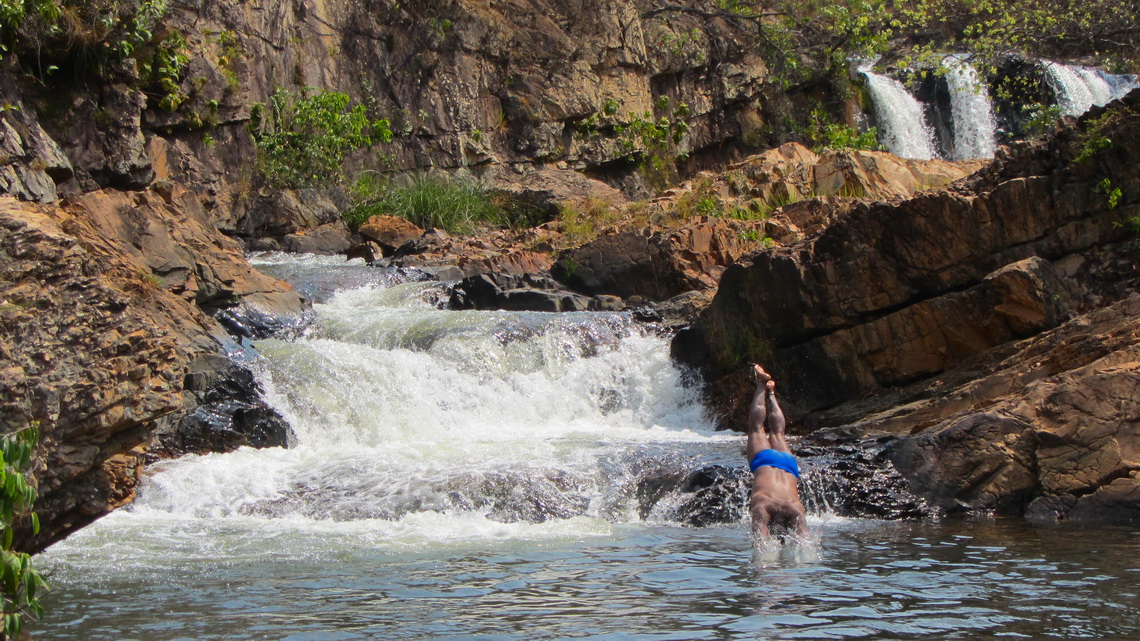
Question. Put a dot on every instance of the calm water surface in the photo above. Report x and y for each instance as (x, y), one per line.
(863, 579)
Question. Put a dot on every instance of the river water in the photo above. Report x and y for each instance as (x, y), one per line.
(492, 475)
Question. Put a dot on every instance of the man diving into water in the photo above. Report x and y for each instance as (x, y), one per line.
(775, 502)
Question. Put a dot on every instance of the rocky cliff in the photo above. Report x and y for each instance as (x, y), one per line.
(991, 324)
(500, 89)
(106, 340)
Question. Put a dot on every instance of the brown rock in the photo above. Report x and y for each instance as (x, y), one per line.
(549, 190)
(329, 239)
(657, 266)
(390, 232)
(102, 315)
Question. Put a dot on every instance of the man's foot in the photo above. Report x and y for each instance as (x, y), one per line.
(763, 378)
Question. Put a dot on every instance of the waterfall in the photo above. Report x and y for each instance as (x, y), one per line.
(975, 128)
(902, 125)
(424, 424)
(1079, 88)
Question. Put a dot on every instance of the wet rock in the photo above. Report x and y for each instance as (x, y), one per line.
(225, 411)
(675, 313)
(369, 251)
(528, 292)
(714, 494)
(851, 474)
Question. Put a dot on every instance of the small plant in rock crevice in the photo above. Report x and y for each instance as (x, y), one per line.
(652, 142)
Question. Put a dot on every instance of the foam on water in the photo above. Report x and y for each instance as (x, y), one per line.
(416, 425)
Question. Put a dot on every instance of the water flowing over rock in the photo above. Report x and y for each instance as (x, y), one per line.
(899, 116)
(1079, 89)
(975, 318)
(975, 127)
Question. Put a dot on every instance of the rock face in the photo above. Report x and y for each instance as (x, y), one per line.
(990, 323)
(504, 89)
(658, 265)
(104, 315)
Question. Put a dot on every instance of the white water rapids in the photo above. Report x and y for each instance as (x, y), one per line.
(415, 424)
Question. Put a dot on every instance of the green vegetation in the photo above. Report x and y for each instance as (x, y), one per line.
(95, 33)
(304, 139)
(824, 133)
(1112, 192)
(652, 142)
(20, 583)
(582, 222)
(435, 201)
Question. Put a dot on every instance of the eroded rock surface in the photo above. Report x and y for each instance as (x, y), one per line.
(103, 304)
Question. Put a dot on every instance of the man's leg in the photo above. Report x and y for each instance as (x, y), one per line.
(758, 414)
(776, 422)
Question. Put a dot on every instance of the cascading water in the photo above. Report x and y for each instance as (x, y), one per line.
(972, 114)
(900, 118)
(460, 421)
(1080, 88)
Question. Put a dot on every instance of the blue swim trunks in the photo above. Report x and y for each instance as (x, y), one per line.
(777, 459)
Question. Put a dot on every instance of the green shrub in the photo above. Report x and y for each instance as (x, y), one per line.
(433, 201)
(20, 583)
(824, 133)
(302, 140)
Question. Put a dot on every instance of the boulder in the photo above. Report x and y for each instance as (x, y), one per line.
(103, 313)
(656, 265)
(224, 410)
(390, 232)
(516, 293)
(328, 239)
(548, 191)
